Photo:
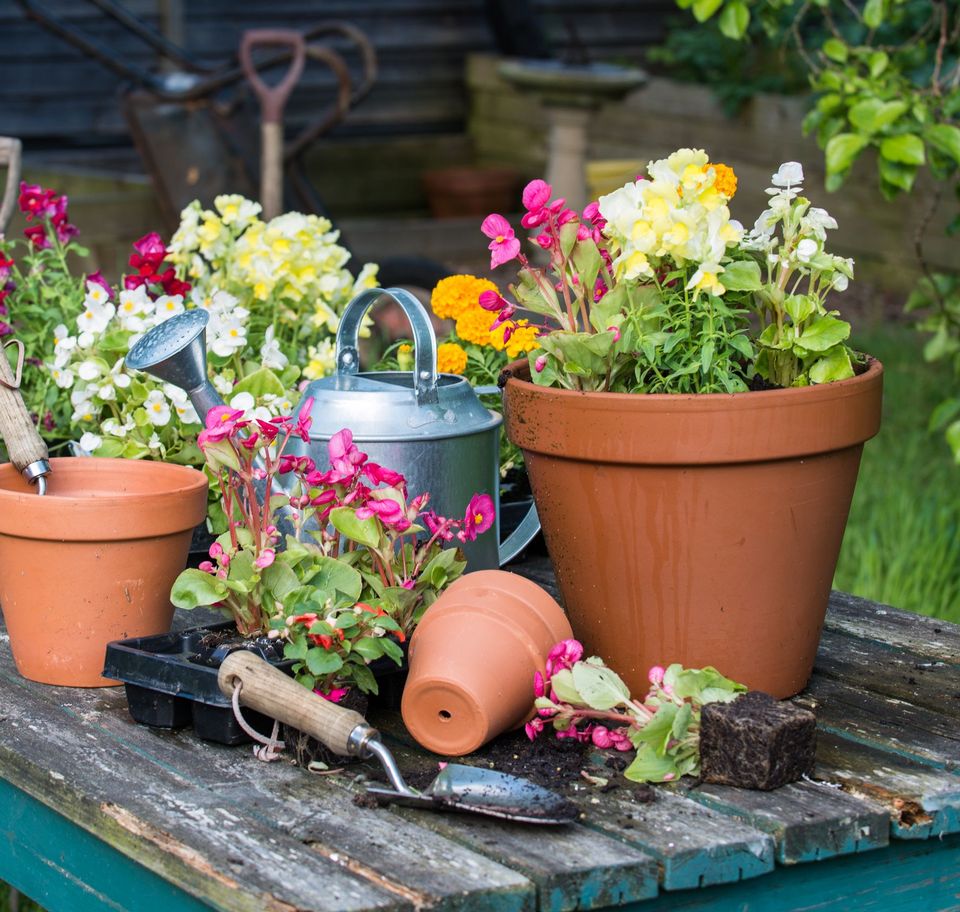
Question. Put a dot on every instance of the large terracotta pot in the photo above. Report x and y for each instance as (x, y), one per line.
(473, 657)
(92, 561)
(701, 529)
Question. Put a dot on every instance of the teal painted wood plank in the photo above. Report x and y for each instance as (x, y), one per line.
(66, 869)
(922, 802)
(809, 821)
(905, 877)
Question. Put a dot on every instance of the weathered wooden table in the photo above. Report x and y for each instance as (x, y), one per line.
(100, 813)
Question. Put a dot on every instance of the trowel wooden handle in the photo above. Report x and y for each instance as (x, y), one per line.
(270, 691)
(19, 433)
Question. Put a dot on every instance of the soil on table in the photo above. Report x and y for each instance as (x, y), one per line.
(215, 646)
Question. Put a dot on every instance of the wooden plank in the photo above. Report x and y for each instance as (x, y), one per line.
(138, 791)
(921, 802)
(810, 822)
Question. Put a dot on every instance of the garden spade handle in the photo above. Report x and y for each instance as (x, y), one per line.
(272, 99)
(268, 690)
(27, 450)
(10, 156)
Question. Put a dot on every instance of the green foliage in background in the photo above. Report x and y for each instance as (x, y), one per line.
(886, 78)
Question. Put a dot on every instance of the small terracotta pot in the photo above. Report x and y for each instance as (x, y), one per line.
(700, 529)
(92, 561)
(473, 657)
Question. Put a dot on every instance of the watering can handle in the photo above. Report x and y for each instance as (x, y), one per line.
(424, 339)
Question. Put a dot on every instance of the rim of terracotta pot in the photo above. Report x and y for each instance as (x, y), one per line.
(694, 429)
(103, 499)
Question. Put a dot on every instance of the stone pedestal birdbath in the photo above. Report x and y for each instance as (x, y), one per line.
(571, 93)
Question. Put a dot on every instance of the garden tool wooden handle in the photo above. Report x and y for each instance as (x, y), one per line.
(268, 690)
(10, 156)
(27, 450)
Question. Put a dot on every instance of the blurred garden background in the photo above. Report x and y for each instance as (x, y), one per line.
(863, 94)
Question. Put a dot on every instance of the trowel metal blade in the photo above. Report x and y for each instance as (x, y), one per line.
(482, 791)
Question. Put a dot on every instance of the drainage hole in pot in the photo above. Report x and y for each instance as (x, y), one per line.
(444, 715)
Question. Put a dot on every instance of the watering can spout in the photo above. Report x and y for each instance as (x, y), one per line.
(176, 352)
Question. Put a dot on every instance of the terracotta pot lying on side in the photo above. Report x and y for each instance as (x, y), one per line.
(92, 561)
(473, 657)
(696, 529)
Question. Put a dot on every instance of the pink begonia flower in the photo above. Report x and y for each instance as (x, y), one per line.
(258, 473)
(380, 475)
(302, 465)
(504, 245)
(408, 584)
(616, 332)
(580, 735)
(304, 420)
(540, 363)
(479, 516)
(437, 525)
(655, 674)
(533, 728)
(539, 685)
(564, 655)
(207, 567)
(216, 550)
(545, 240)
(324, 497)
(221, 422)
(536, 195)
(265, 558)
(386, 510)
(269, 430)
(492, 301)
(334, 695)
(606, 738)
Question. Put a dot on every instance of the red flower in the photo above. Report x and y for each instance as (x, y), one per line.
(150, 251)
(36, 202)
(37, 236)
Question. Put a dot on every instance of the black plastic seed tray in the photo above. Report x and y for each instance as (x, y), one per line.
(171, 681)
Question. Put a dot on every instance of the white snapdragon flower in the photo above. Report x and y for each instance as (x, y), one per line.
(236, 210)
(789, 174)
(158, 409)
(90, 442)
(270, 354)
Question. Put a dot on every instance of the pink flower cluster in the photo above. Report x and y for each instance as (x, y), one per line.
(37, 202)
(147, 258)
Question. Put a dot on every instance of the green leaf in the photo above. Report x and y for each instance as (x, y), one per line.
(834, 365)
(742, 275)
(332, 575)
(734, 20)
(568, 237)
(823, 333)
(369, 648)
(873, 13)
(321, 662)
(564, 687)
(599, 686)
(953, 439)
(906, 148)
(945, 138)
(704, 9)
(878, 62)
(799, 307)
(872, 114)
(647, 766)
(943, 414)
(221, 453)
(897, 175)
(260, 383)
(659, 730)
(280, 579)
(706, 357)
(363, 531)
(693, 683)
(842, 150)
(836, 50)
(193, 588)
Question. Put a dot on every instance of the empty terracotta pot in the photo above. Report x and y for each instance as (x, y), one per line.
(700, 529)
(92, 561)
(473, 657)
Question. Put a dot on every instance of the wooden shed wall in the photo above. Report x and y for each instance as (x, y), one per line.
(50, 93)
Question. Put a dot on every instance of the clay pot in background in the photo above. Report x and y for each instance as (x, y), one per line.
(473, 658)
(700, 529)
(92, 561)
(460, 192)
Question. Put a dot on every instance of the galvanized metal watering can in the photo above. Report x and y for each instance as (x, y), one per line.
(430, 427)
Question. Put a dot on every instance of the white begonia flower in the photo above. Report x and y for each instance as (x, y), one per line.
(230, 337)
(119, 376)
(154, 442)
(63, 343)
(90, 442)
(222, 385)
(181, 404)
(88, 370)
(169, 306)
(158, 409)
(83, 410)
(788, 175)
(96, 295)
(270, 354)
(61, 376)
(95, 318)
(86, 340)
(114, 428)
(840, 282)
(243, 402)
(806, 250)
(133, 306)
(817, 222)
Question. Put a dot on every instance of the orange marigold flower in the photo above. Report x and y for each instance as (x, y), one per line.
(523, 338)
(725, 181)
(473, 325)
(451, 359)
(454, 294)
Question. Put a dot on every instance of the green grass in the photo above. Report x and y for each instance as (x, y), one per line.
(902, 544)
